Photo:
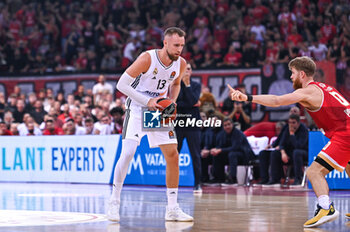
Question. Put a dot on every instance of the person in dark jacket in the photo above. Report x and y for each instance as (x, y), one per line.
(232, 147)
(265, 155)
(293, 148)
(188, 108)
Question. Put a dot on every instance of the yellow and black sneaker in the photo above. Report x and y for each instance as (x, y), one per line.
(347, 216)
(322, 216)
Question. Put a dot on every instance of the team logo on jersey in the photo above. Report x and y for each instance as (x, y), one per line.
(172, 75)
(155, 71)
(171, 135)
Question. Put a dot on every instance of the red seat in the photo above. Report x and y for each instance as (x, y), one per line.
(262, 129)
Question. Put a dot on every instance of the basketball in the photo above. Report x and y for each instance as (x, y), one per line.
(169, 111)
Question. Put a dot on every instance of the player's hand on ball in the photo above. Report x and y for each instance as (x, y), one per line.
(153, 105)
(237, 95)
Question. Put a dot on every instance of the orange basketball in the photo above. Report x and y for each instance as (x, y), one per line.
(169, 111)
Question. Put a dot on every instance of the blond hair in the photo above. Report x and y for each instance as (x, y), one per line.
(174, 30)
(305, 64)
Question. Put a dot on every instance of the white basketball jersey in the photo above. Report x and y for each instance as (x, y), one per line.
(155, 82)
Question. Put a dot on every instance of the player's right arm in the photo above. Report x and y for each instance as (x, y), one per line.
(141, 65)
(300, 95)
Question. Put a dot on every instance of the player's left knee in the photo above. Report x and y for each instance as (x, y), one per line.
(172, 154)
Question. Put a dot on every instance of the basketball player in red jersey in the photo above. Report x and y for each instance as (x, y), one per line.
(331, 112)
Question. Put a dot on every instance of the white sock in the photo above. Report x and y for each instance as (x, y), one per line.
(172, 197)
(323, 201)
(117, 189)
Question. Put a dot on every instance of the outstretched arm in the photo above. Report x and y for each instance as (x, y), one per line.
(298, 95)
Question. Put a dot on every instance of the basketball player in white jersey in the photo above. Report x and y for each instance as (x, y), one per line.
(155, 74)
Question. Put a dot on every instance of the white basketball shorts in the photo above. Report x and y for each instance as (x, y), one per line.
(133, 129)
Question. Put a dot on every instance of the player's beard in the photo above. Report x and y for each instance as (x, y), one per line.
(297, 84)
(172, 57)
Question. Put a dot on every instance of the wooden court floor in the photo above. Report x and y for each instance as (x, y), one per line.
(80, 207)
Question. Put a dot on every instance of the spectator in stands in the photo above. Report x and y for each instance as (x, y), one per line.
(92, 63)
(71, 102)
(50, 128)
(31, 101)
(117, 115)
(80, 93)
(108, 62)
(8, 119)
(318, 50)
(232, 58)
(2, 105)
(239, 112)
(231, 148)
(345, 88)
(101, 88)
(20, 111)
(3, 129)
(12, 103)
(104, 126)
(249, 55)
(89, 126)
(38, 113)
(14, 129)
(292, 150)
(28, 127)
(69, 128)
(259, 30)
(81, 62)
(65, 113)
(19, 63)
(78, 119)
(38, 65)
(130, 51)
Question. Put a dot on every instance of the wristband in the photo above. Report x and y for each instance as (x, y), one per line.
(249, 98)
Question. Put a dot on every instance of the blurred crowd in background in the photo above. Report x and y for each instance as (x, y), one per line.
(102, 35)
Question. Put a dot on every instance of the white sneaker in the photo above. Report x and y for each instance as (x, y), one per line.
(113, 211)
(176, 214)
(177, 226)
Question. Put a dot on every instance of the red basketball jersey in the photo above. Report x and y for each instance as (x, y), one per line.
(334, 113)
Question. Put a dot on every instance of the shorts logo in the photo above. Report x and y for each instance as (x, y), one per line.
(151, 119)
(171, 135)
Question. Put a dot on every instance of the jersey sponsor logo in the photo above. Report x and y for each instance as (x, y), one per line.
(153, 78)
(172, 75)
(152, 94)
